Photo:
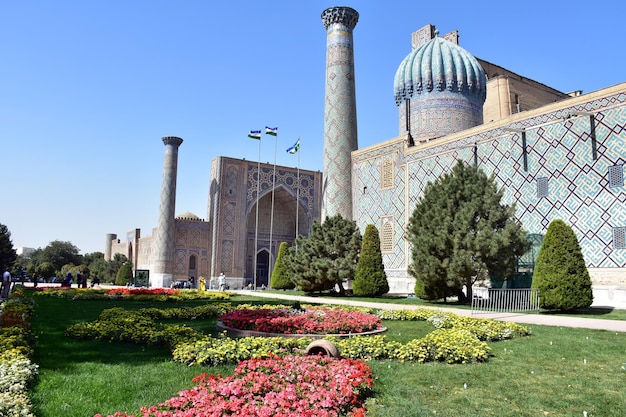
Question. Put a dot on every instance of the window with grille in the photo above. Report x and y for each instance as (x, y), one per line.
(542, 187)
(619, 238)
(386, 180)
(386, 238)
(616, 176)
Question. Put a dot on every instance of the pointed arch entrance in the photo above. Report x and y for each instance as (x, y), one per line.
(283, 230)
(262, 268)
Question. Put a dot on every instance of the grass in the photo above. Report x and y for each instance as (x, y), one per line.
(525, 377)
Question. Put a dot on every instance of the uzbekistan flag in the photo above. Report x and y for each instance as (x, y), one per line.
(294, 148)
(255, 134)
(271, 131)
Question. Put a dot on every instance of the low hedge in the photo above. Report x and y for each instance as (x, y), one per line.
(456, 339)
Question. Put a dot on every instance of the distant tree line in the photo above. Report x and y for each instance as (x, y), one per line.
(56, 260)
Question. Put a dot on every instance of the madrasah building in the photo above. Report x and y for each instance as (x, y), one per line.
(557, 155)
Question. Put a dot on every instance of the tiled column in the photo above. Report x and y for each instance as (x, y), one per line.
(340, 129)
(164, 259)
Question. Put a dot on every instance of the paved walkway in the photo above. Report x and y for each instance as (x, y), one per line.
(539, 319)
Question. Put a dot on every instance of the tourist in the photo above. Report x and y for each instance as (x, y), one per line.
(95, 281)
(68, 280)
(6, 284)
(202, 284)
(222, 282)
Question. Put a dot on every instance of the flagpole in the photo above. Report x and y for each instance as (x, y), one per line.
(298, 195)
(258, 201)
(270, 266)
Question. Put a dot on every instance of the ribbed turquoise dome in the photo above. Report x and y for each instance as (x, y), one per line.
(439, 66)
(439, 89)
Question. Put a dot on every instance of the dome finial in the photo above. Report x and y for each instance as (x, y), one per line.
(436, 32)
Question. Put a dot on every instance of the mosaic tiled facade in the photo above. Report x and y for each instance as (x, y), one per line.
(340, 127)
(225, 242)
(164, 261)
(562, 180)
(237, 188)
(556, 156)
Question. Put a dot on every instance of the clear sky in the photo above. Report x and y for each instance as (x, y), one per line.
(88, 88)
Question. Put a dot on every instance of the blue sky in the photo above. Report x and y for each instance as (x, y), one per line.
(88, 88)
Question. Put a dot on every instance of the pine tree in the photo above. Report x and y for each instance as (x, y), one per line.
(326, 258)
(560, 273)
(8, 255)
(280, 275)
(370, 279)
(461, 233)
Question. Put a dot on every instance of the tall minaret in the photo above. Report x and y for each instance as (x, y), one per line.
(164, 259)
(340, 132)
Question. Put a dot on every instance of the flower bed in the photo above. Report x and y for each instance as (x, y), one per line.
(290, 386)
(301, 322)
(16, 347)
(449, 344)
(129, 293)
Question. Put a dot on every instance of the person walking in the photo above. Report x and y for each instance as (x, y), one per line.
(222, 282)
(6, 284)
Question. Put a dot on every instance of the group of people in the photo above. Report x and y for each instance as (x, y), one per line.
(81, 280)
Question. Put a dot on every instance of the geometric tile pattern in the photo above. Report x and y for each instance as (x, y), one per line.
(558, 151)
(164, 260)
(340, 127)
(285, 179)
(377, 205)
(232, 199)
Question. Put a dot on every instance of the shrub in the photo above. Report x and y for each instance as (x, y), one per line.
(370, 279)
(446, 345)
(560, 272)
(125, 274)
(280, 275)
(456, 339)
(211, 351)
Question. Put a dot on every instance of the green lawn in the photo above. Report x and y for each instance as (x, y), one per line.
(541, 375)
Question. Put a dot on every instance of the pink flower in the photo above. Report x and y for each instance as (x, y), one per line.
(323, 387)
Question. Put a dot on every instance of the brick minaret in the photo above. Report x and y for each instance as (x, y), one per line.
(340, 131)
(164, 260)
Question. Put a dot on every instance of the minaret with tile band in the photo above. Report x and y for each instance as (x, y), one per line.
(164, 260)
(340, 127)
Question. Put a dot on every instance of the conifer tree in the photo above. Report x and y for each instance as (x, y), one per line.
(8, 255)
(370, 279)
(560, 273)
(326, 258)
(280, 275)
(125, 274)
(461, 233)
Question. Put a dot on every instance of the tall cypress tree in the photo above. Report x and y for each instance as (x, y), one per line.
(280, 276)
(370, 279)
(560, 273)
